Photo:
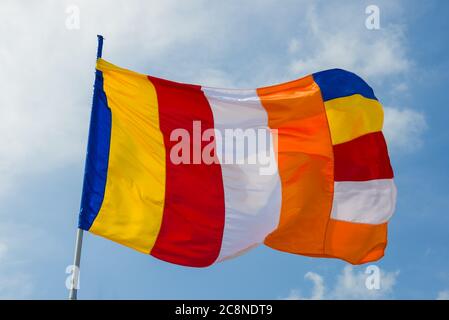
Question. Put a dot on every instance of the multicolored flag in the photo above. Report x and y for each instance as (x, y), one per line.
(194, 175)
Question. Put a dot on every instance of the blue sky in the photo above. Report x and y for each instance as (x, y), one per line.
(46, 80)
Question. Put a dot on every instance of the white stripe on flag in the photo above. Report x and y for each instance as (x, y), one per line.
(252, 200)
(371, 202)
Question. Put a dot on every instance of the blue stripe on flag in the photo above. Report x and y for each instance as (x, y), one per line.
(337, 83)
(97, 158)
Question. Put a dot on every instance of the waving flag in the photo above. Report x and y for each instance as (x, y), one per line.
(324, 188)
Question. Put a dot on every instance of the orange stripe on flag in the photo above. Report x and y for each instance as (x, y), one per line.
(305, 161)
(356, 243)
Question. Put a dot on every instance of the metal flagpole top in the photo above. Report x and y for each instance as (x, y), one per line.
(100, 45)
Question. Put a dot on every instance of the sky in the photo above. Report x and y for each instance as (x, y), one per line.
(47, 61)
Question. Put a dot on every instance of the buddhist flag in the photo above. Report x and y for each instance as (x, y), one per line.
(195, 175)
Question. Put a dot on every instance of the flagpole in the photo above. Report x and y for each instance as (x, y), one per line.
(73, 291)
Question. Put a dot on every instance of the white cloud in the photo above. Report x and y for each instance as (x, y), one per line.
(15, 281)
(47, 71)
(213, 78)
(399, 88)
(403, 128)
(318, 289)
(294, 45)
(333, 42)
(47, 76)
(375, 55)
(15, 286)
(443, 295)
(349, 284)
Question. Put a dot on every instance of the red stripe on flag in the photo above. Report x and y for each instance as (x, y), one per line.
(362, 159)
(193, 219)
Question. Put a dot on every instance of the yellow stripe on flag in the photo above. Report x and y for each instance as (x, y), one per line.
(352, 117)
(133, 203)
